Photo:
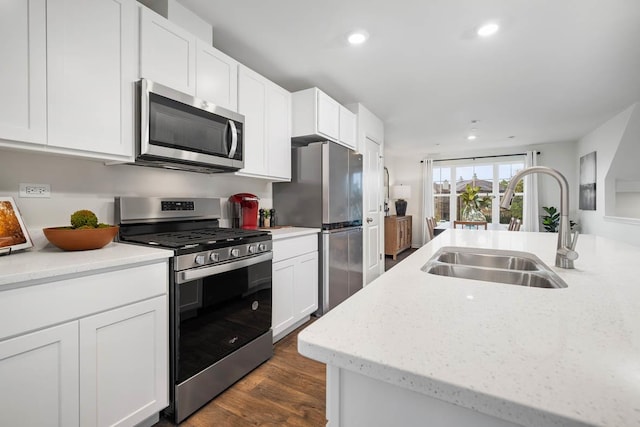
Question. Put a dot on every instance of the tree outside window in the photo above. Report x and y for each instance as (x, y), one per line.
(492, 177)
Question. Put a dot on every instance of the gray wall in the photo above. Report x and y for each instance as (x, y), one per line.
(85, 184)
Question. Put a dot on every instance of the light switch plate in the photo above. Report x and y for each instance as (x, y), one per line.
(35, 190)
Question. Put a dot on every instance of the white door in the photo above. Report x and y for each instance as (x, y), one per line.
(373, 258)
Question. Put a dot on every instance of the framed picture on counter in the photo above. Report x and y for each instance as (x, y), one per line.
(13, 233)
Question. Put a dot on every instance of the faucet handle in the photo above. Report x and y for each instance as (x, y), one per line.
(574, 240)
(567, 253)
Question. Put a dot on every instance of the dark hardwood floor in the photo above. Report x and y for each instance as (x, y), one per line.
(390, 262)
(287, 390)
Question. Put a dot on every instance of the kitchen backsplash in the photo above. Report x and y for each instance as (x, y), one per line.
(85, 184)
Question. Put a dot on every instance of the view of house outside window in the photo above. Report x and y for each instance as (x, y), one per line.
(491, 178)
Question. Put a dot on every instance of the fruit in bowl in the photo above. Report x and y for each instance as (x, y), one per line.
(85, 233)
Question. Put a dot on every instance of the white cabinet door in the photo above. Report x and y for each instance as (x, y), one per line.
(306, 285)
(216, 76)
(91, 67)
(23, 106)
(167, 53)
(39, 376)
(252, 96)
(283, 304)
(278, 132)
(267, 131)
(347, 128)
(124, 364)
(328, 116)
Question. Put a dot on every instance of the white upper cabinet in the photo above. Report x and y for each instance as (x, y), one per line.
(167, 53)
(216, 76)
(91, 69)
(23, 72)
(328, 113)
(348, 127)
(317, 117)
(267, 130)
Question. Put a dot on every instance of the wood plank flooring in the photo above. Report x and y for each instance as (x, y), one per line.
(287, 390)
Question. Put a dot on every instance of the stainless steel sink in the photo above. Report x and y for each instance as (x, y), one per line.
(508, 262)
(493, 265)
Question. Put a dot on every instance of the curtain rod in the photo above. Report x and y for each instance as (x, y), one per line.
(481, 157)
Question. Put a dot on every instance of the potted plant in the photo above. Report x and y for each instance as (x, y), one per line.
(85, 233)
(472, 203)
(551, 220)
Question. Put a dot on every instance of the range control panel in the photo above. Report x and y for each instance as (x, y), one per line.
(170, 205)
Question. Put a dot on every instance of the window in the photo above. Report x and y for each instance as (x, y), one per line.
(492, 176)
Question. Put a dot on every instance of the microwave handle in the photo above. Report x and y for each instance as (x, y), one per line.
(234, 138)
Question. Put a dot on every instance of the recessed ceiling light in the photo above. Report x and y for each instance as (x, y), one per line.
(358, 37)
(471, 137)
(488, 29)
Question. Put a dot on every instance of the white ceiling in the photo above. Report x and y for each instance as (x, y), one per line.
(555, 71)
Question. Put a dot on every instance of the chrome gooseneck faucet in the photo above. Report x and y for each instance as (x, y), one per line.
(565, 254)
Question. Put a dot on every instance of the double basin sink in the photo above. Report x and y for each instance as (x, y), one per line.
(493, 265)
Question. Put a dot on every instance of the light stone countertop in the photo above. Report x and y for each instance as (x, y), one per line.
(45, 262)
(532, 356)
(288, 232)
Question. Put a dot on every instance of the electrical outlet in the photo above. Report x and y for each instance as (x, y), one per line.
(35, 190)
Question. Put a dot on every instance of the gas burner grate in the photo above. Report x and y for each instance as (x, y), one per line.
(179, 239)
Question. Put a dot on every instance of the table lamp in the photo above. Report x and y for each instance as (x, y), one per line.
(401, 192)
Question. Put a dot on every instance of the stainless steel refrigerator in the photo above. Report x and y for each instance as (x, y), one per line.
(326, 192)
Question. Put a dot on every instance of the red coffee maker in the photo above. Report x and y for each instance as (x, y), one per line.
(244, 210)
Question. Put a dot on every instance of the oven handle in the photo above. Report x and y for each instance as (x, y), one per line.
(199, 273)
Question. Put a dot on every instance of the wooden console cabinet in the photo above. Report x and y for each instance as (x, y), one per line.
(397, 234)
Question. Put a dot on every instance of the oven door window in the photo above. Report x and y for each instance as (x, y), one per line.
(180, 126)
(221, 313)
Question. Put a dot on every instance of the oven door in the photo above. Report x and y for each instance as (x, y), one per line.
(218, 310)
(178, 127)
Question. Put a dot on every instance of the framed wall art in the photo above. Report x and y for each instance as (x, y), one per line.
(587, 198)
(13, 233)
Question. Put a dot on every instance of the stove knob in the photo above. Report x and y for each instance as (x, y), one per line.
(199, 259)
(235, 252)
(252, 249)
(262, 247)
(215, 257)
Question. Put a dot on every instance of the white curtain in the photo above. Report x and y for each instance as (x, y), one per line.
(427, 196)
(530, 220)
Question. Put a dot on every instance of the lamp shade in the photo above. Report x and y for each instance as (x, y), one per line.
(401, 192)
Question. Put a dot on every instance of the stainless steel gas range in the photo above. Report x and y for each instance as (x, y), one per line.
(220, 293)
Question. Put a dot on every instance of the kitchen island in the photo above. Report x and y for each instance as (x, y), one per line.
(414, 348)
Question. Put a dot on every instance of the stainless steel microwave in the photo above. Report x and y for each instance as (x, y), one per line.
(179, 131)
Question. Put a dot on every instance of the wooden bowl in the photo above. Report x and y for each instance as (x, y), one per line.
(80, 239)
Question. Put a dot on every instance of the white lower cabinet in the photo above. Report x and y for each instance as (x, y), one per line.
(104, 363)
(123, 362)
(39, 373)
(295, 283)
